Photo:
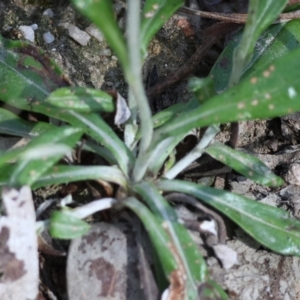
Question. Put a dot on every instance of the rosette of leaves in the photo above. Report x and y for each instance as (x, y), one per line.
(260, 82)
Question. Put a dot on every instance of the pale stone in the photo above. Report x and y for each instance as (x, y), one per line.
(48, 37)
(48, 12)
(92, 30)
(78, 35)
(28, 33)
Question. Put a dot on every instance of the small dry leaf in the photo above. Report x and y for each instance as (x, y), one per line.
(18, 248)
(123, 112)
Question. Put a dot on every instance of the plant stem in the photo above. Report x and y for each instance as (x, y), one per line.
(134, 77)
(92, 207)
(209, 135)
(143, 161)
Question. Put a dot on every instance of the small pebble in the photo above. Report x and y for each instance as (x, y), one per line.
(28, 33)
(78, 35)
(34, 26)
(48, 37)
(95, 32)
(48, 12)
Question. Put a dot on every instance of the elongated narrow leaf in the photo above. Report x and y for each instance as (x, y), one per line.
(27, 75)
(275, 42)
(63, 174)
(192, 263)
(274, 91)
(163, 246)
(13, 155)
(203, 88)
(244, 163)
(94, 126)
(31, 95)
(42, 153)
(163, 151)
(82, 99)
(173, 111)
(271, 226)
(155, 14)
(33, 74)
(170, 113)
(267, 12)
(261, 15)
(102, 15)
(14, 125)
(34, 78)
(91, 124)
(159, 237)
(103, 152)
(5, 173)
(64, 225)
(195, 153)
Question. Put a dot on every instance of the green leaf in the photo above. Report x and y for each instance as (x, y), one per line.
(244, 163)
(270, 226)
(101, 13)
(155, 14)
(171, 113)
(157, 234)
(42, 153)
(275, 42)
(64, 174)
(274, 91)
(82, 99)
(192, 263)
(94, 126)
(13, 125)
(278, 41)
(195, 153)
(64, 225)
(261, 15)
(162, 152)
(34, 77)
(5, 173)
(202, 88)
(174, 111)
(32, 73)
(183, 246)
(101, 151)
